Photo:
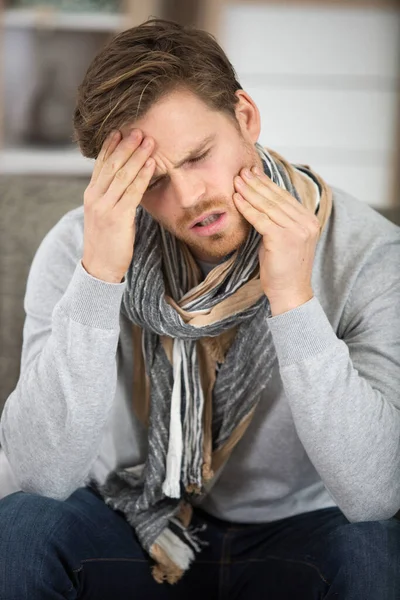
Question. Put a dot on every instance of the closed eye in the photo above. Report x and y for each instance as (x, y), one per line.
(199, 158)
(190, 161)
(155, 184)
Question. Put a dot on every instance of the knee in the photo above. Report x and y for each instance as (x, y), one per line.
(373, 544)
(32, 531)
(27, 522)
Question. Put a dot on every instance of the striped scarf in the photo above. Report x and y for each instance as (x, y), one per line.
(203, 354)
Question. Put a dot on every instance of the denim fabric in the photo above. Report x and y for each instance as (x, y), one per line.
(82, 549)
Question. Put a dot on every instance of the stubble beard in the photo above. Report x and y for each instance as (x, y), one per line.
(217, 246)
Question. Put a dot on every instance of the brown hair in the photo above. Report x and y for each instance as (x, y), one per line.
(142, 64)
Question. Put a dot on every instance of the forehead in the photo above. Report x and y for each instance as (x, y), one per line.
(180, 119)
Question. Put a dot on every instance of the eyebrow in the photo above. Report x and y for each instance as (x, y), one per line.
(190, 156)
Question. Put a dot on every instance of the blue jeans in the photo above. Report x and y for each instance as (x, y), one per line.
(81, 548)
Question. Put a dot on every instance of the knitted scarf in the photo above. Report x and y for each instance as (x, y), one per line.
(203, 354)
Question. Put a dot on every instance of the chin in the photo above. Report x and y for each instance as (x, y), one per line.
(220, 245)
(215, 247)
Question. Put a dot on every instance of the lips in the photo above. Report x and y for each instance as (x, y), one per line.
(216, 225)
(204, 217)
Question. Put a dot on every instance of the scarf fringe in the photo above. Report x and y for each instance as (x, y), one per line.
(174, 551)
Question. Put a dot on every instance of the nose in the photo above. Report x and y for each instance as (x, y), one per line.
(188, 189)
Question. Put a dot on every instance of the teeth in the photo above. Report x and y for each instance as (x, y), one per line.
(208, 221)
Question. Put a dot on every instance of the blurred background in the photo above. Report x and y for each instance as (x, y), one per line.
(325, 75)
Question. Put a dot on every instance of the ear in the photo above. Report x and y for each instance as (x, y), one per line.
(248, 116)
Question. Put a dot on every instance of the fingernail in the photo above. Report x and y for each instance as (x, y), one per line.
(256, 171)
(247, 173)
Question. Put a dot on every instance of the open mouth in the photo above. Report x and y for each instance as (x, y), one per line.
(208, 220)
(210, 224)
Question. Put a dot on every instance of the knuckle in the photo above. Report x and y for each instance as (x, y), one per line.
(304, 233)
(95, 211)
(271, 205)
(92, 184)
(133, 189)
(97, 207)
(112, 218)
(110, 167)
(121, 174)
(87, 196)
(89, 201)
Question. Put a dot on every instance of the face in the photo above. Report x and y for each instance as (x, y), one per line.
(198, 152)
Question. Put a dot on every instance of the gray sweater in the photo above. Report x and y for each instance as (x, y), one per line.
(325, 433)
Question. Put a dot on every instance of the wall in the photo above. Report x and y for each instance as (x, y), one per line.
(326, 79)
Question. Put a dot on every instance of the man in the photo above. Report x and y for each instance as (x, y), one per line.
(209, 385)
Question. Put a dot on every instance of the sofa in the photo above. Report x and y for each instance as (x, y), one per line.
(29, 207)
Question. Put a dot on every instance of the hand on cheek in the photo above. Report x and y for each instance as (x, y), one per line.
(289, 237)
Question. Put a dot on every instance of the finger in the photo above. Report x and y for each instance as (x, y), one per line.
(277, 192)
(128, 172)
(116, 160)
(133, 194)
(263, 184)
(260, 221)
(296, 210)
(262, 204)
(107, 148)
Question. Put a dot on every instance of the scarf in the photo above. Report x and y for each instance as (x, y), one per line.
(203, 354)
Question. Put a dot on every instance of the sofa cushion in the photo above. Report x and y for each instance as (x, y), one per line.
(30, 206)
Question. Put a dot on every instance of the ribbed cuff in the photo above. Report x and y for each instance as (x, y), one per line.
(91, 301)
(301, 333)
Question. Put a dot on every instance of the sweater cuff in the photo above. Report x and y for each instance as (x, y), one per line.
(301, 333)
(92, 302)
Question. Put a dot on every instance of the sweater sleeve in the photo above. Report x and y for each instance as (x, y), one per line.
(52, 423)
(344, 393)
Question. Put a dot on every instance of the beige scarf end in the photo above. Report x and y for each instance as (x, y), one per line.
(207, 472)
(164, 569)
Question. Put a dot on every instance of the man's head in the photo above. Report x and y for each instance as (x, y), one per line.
(177, 86)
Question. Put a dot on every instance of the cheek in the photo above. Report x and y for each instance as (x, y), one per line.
(147, 204)
(151, 205)
(159, 206)
(219, 179)
(232, 159)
